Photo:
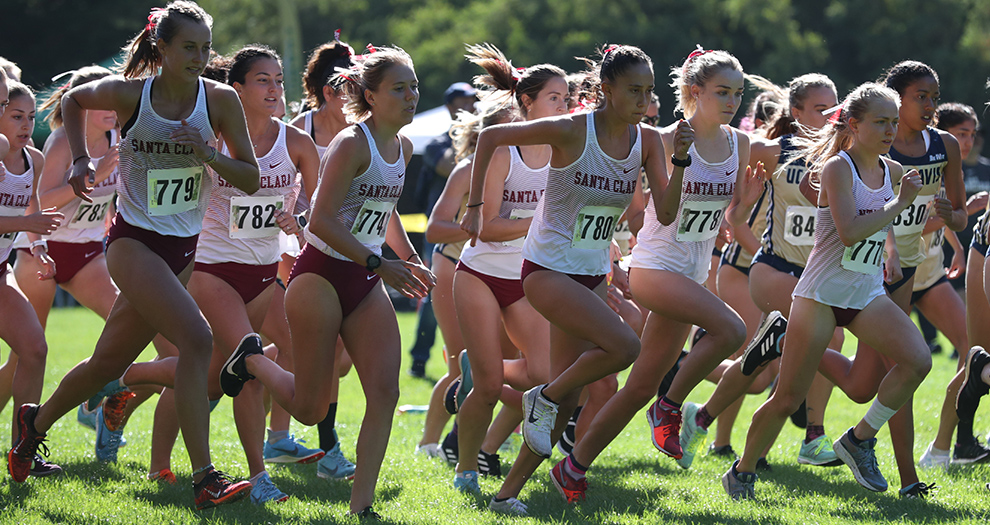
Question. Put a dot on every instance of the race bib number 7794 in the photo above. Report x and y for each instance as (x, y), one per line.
(174, 190)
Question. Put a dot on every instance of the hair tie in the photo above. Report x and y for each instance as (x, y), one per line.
(696, 53)
(150, 27)
(370, 48)
(836, 114)
(336, 35)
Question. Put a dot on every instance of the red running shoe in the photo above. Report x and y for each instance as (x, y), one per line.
(21, 457)
(666, 429)
(218, 488)
(571, 489)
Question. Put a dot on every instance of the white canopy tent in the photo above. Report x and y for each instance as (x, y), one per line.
(426, 126)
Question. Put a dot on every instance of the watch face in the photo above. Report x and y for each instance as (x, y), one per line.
(373, 262)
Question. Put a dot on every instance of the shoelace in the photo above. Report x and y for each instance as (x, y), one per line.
(870, 461)
(32, 446)
(268, 489)
(922, 490)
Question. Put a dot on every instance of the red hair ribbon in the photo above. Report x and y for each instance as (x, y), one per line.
(151, 18)
(837, 116)
(370, 48)
(696, 53)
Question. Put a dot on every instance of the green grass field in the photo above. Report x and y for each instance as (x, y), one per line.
(631, 483)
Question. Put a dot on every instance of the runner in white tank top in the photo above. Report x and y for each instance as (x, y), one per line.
(856, 206)
(595, 160)
(488, 291)
(19, 205)
(166, 192)
(328, 294)
(670, 263)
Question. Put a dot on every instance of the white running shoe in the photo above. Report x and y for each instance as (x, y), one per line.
(539, 416)
(932, 459)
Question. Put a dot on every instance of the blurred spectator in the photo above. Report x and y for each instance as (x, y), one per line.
(13, 72)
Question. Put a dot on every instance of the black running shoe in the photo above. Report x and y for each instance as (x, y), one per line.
(973, 387)
(970, 452)
(725, 451)
(450, 397)
(669, 378)
(765, 347)
(489, 465)
(41, 468)
(234, 373)
(450, 449)
(566, 443)
(698, 334)
(917, 490)
(800, 416)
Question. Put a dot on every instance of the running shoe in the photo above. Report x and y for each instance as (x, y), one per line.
(86, 417)
(692, 436)
(367, 513)
(430, 450)
(539, 416)
(335, 466)
(450, 396)
(818, 452)
(290, 450)
(467, 384)
(973, 387)
(862, 460)
(566, 442)
(970, 452)
(666, 427)
(108, 389)
(931, 459)
(765, 347)
(450, 449)
(21, 457)
(264, 490)
(762, 465)
(573, 490)
(510, 506)
(489, 464)
(41, 468)
(724, 451)
(217, 488)
(234, 373)
(917, 490)
(164, 476)
(739, 486)
(110, 427)
(418, 369)
(467, 481)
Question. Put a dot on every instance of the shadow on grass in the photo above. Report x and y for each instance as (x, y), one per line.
(870, 506)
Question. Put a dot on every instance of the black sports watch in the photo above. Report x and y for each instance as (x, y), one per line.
(372, 263)
(680, 163)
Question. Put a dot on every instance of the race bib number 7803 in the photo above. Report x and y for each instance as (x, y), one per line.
(594, 226)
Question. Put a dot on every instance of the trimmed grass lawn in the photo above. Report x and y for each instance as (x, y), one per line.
(631, 482)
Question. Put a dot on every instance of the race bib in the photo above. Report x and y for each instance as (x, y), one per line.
(91, 214)
(700, 220)
(799, 224)
(254, 217)
(622, 231)
(174, 190)
(519, 214)
(912, 220)
(594, 226)
(6, 239)
(371, 222)
(865, 256)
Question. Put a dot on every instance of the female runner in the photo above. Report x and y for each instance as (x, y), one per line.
(331, 294)
(842, 285)
(671, 262)
(595, 160)
(487, 285)
(779, 262)
(19, 326)
(164, 190)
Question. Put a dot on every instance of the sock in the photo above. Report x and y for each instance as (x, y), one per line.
(812, 432)
(878, 414)
(667, 404)
(275, 436)
(852, 437)
(328, 438)
(703, 419)
(453, 429)
(985, 374)
(254, 479)
(573, 468)
(498, 499)
(938, 452)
